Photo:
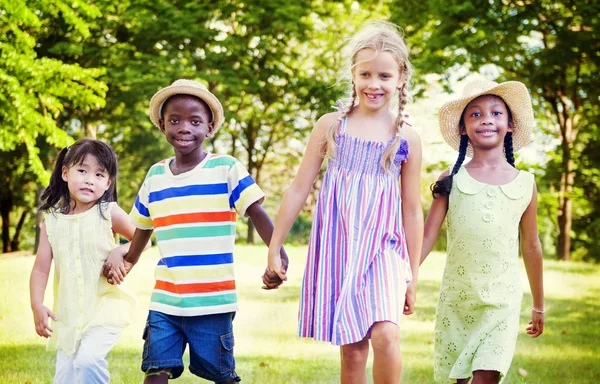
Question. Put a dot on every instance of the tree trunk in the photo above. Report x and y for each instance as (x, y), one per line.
(15, 243)
(565, 217)
(5, 208)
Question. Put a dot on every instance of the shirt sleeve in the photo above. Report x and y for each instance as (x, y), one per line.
(244, 191)
(140, 215)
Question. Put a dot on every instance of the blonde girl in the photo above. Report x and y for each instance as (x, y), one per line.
(365, 242)
(489, 206)
(81, 217)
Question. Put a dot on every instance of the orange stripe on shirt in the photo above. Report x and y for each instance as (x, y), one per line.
(198, 217)
(196, 287)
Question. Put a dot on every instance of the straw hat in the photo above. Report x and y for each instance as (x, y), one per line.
(186, 87)
(515, 95)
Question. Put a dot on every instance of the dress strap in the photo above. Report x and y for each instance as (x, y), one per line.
(342, 127)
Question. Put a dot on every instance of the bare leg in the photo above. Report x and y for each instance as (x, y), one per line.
(486, 377)
(354, 362)
(161, 377)
(387, 360)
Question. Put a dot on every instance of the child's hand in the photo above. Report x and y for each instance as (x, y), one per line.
(114, 267)
(276, 264)
(270, 279)
(536, 326)
(40, 319)
(410, 298)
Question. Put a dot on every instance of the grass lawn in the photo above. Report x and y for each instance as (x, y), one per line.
(268, 350)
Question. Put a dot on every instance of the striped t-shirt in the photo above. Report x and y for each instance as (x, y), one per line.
(193, 216)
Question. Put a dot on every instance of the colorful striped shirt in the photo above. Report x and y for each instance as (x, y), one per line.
(193, 216)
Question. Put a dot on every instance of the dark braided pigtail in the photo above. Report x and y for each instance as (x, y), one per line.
(57, 196)
(508, 149)
(443, 187)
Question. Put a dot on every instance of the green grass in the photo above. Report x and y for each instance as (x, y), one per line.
(268, 350)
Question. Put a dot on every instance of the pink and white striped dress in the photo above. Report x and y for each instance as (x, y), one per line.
(357, 268)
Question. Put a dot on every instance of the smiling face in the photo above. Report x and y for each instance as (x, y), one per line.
(376, 77)
(486, 120)
(87, 182)
(186, 123)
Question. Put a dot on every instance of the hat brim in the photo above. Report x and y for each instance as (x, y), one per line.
(514, 94)
(161, 96)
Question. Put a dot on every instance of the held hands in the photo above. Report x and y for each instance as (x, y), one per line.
(115, 267)
(275, 273)
(40, 319)
(536, 326)
(410, 298)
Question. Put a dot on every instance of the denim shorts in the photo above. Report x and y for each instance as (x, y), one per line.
(210, 338)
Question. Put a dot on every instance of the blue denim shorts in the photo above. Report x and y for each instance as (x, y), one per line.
(210, 338)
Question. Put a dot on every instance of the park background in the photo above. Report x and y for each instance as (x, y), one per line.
(70, 69)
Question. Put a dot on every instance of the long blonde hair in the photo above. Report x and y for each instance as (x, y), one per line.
(382, 37)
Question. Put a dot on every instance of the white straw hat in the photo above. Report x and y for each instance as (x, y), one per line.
(514, 94)
(186, 87)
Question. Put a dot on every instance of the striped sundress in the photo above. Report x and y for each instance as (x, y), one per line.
(357, 268)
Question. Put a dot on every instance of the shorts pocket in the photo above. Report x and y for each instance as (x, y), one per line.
(146, 337)
(227, 359)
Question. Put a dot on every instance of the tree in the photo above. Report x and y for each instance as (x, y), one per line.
(551, 46)
(35, 91)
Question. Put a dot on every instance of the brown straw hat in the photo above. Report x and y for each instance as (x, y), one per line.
(186, 87)
(514, 94)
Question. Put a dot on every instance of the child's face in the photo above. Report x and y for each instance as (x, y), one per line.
(486, 121)
(376, 78)
(186, 123)
(87, 182)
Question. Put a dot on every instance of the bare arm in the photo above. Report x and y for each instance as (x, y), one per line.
(531, 250)
(37, 286)
(435, 219)
(412, 211)
(114, 268)
(264, 226)
(295, 196)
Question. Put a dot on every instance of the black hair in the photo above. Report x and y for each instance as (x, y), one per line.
(57, 197)
(443, 187)
(163, 108)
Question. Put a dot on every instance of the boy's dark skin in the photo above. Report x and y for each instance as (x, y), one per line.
(187, 122)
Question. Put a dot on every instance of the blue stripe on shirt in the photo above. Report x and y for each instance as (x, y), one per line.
(141, 208)
(237, 191)
(189, 190)
(196, 260)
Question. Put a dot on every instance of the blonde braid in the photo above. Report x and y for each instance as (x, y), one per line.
(390, 153)
(331, 133)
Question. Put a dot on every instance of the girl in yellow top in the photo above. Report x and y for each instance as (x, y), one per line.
(81, 218)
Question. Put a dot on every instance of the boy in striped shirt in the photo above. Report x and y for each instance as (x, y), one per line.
(191, 202)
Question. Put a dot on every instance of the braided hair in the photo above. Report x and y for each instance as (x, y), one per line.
(444, 186)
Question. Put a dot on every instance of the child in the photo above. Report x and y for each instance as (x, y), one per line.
(361, 270)
(190, 202)
(81, 218)
(486, 203)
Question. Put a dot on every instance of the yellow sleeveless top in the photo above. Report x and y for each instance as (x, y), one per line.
(82, 297)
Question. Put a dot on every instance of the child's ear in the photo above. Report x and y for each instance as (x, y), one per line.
(161, 125)
(511, 126)
(211, 128)
(65, 172)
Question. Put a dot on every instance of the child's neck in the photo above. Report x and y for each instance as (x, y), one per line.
(491, 158)
(77, 207)
(187, 162)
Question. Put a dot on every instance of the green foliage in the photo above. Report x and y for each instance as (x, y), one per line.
(34, 90)
(550, 46)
